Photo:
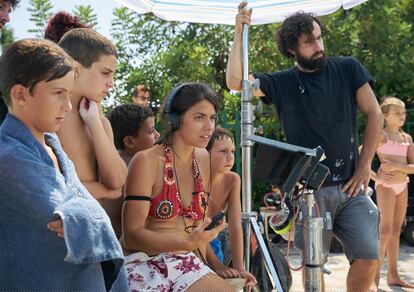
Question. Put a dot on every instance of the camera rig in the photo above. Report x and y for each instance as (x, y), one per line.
(296, 171)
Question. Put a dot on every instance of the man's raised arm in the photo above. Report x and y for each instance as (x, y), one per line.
(234, 74)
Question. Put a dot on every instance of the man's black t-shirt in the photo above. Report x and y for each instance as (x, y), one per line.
(319, 109)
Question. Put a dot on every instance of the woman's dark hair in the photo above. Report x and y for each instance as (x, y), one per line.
(218, 134)
(126, 120)
(189, 95)
(60, 24)
(292, 28)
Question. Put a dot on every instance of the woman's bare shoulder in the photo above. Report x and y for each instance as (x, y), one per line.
(144, 171)
(148, 158)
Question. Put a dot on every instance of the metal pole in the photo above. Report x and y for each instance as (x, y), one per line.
(246, 130)
(312, 251)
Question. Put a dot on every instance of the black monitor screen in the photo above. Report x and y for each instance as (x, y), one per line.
(275, 160)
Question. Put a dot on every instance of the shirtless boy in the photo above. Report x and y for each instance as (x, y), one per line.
(86, 135)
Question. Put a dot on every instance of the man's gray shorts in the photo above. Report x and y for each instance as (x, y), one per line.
(355, 223)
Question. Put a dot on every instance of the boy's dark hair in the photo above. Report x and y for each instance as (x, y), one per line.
(292, 27)
(126, 120)
(218, 134)
(61, 23)
(30, 61)
(184, 99)
(86, 46)
(13, 3)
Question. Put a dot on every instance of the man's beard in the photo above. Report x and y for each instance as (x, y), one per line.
(311, 63)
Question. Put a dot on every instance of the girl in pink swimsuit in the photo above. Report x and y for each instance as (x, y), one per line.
(396, 155)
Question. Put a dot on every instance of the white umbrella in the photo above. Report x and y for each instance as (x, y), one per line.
(224, 11)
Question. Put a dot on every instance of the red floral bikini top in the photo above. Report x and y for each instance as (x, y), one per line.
(168, 204)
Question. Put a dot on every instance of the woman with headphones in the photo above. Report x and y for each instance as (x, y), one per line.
(166, 196)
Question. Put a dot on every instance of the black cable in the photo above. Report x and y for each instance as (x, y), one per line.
(186, 228)
(291, 209)
(179, 192)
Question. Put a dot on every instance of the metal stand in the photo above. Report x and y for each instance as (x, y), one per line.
(246, 130)
(312, 254)
(263, 248)
(248, 217)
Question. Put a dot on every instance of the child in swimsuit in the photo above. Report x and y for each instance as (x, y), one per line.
(164, 213)
(396, 155)
(134, 130)
(225, 195)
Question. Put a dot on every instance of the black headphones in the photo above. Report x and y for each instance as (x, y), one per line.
(171, 117)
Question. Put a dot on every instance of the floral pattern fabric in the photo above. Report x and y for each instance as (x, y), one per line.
(165, 272)
(168, 204)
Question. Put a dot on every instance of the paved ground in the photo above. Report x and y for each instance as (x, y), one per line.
(338, 265)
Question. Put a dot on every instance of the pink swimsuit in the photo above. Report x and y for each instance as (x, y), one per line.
(397, 149)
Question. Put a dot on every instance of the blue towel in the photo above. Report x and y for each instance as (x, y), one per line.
(33, 193)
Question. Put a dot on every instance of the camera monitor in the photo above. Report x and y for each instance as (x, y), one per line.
(285, 164)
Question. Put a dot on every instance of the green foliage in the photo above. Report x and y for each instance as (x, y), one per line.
(160, 54)
(40, 12)
(380, 34)
(6, 38)
(86, 15)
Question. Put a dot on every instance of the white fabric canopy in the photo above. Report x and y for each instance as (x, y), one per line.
(224, 11)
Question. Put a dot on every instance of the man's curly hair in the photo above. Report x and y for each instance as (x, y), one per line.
(288, 34)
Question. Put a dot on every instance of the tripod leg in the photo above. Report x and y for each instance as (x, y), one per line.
(246, 239)
(268, 260)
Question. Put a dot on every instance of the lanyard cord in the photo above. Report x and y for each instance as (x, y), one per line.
(186, 228)
(179, 192)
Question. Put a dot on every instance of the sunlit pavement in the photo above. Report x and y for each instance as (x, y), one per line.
(338, 265)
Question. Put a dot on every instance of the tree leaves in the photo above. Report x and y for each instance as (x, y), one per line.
(86, 15)
(6, 38)
(40, 12)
